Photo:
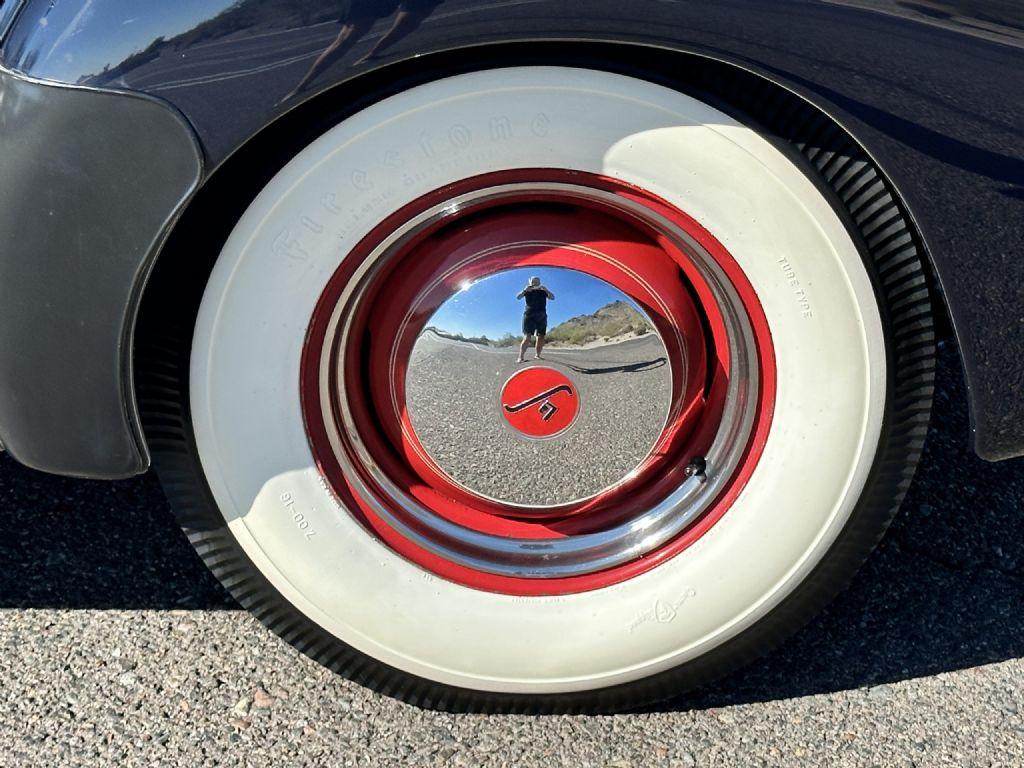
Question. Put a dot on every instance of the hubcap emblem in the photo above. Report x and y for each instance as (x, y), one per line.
(539, 402)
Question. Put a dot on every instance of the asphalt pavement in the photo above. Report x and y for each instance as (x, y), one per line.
(623, 389)
(116, 647)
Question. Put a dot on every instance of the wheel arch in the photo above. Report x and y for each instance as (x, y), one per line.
(801, 127)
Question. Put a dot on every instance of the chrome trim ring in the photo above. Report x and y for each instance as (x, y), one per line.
(696, 485)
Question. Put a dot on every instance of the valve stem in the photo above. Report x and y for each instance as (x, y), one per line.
(697, 468)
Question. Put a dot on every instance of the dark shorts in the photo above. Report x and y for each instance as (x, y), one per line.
(535, 323)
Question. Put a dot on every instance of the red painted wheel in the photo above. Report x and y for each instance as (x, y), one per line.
(362, 392)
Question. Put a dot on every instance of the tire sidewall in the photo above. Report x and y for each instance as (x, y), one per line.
(252, 323)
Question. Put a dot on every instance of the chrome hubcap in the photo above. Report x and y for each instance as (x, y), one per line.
(635, 423)
(559, 430)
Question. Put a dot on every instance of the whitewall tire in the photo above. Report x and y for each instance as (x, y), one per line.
(832, 463)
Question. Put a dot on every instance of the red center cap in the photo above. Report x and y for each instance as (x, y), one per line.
(540, 402)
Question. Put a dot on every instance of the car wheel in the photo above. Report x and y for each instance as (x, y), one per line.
(614, 523)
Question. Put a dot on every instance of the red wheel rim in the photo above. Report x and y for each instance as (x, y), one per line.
(354, 371)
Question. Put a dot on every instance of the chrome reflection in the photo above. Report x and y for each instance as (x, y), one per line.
(572, 555)
(604, 345)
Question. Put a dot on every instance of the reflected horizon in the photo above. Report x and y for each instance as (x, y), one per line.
(585, 310)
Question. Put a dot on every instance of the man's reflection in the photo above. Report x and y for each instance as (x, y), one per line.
(356, 17)
(535, 315)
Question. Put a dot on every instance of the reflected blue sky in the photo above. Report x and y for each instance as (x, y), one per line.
(115, 29)
(490, 308)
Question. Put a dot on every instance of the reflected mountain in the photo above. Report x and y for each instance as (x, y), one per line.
(614, 322)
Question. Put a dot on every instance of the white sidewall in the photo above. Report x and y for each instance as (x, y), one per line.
(797, 255)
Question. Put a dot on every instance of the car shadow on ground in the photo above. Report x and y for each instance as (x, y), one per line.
(943, 592)
(646, 365)
(87, 544)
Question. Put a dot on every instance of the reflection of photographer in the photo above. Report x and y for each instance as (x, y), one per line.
(535, 315)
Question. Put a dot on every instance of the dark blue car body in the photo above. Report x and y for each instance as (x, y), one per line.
(117, 115)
